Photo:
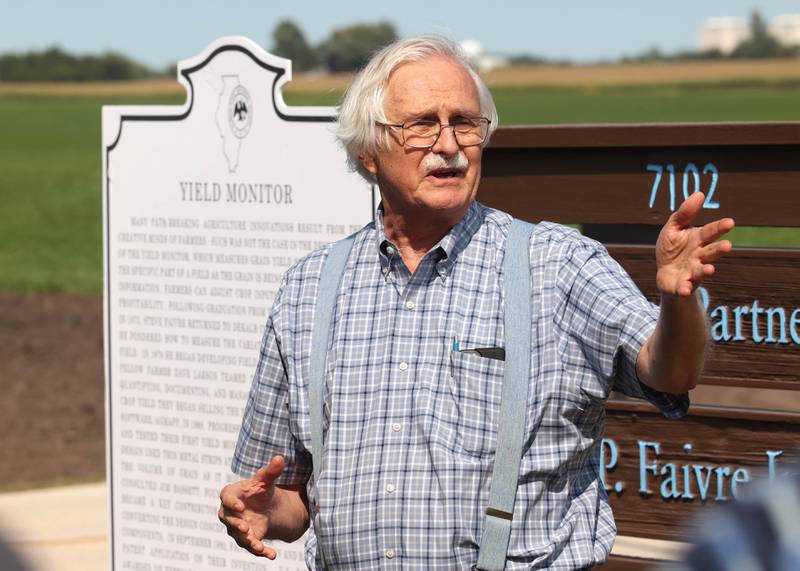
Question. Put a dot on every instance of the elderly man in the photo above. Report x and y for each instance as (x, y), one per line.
(410, 417)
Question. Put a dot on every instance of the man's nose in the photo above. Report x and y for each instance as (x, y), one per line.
(446, 144)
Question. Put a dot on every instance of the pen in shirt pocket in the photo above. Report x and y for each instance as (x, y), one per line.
(497, 353)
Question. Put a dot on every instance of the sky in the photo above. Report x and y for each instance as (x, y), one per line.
(159, 33)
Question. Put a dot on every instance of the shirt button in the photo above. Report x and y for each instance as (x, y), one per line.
(397, 427)
(390, 250)
(410, 304)
(390, 488)
(389, 553)
(403, 366)
(385, 271)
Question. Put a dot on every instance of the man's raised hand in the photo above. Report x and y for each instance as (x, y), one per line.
(247, 505)
(685, 255)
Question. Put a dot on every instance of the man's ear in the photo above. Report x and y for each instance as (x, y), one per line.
(369, 163)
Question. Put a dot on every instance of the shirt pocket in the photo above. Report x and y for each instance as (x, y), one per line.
(476, 385)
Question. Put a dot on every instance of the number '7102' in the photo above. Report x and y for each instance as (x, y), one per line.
(690, 172)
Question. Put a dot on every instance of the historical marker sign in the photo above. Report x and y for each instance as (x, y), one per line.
(205, 206)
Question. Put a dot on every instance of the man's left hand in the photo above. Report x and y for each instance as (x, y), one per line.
(685, 255)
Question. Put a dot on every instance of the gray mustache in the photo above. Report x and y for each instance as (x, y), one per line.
(433, 161)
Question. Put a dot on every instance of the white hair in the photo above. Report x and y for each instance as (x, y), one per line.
(362, 105)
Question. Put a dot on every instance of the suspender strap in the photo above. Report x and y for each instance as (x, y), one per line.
(511, 430)
(330, 279)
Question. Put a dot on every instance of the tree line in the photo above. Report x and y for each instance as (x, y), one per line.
(345, 49)
(54, 64)
(348, 48)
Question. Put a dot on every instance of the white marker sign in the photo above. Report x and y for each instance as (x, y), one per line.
(205, 206)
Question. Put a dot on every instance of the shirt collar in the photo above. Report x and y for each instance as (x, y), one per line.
(448, 248)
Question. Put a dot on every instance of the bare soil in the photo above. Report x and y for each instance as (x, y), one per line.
(51, 378)
(647, 74)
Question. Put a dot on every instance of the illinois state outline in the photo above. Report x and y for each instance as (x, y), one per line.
(234, 117)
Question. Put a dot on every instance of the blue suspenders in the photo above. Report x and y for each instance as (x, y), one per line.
(511, 429)
(320, 336)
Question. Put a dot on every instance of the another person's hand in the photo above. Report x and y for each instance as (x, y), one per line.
(685, 255)
(246, 507)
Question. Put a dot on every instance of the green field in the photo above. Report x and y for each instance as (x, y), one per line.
(50, 162)
(50, 181)
(690, 103)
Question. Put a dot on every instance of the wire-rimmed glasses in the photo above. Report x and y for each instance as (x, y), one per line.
(423, 133)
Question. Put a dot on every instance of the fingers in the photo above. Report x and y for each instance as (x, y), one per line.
(714, 251)
(234, 525)
(688, 210)
(240, 532)
(699, 272)
(716, 229)
(269, 473)
(683, 281)
(254, 546)
(233, 495)
(241, 502)
(230, 497)
(257, 547)
(686, 287)
(702, 271)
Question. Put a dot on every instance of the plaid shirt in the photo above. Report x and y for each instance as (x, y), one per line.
(411, 426)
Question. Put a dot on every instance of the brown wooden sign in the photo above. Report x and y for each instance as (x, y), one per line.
(659, 472)
(753, 303)
(638, 174)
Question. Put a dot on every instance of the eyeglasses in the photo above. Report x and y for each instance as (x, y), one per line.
(423, 133)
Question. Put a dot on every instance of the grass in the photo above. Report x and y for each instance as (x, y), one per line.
(765, 237)
(647, 104)
(50, 182)
(640, 104)
(50, 160)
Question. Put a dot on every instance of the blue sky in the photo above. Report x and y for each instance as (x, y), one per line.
(161, 32)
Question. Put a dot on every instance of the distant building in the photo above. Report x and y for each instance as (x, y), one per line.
(723, 34)
(786, 29)
(479, 59)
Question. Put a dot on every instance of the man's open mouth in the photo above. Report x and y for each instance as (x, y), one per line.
(445, 173)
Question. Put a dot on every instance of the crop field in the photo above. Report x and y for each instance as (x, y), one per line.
(50, 156)
(50, 182)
